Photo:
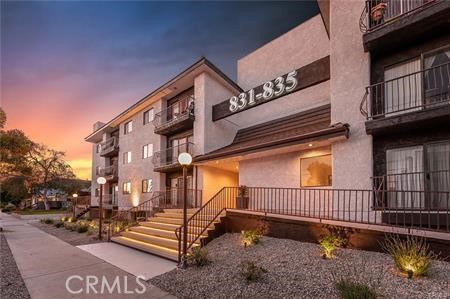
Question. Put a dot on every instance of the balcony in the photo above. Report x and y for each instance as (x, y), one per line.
(110, 147)
(167, 160)
(176, 118)
(391, 23)
(110, 173)
(417, 98)
(109, 201)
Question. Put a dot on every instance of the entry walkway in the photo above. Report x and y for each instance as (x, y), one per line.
(46, 263)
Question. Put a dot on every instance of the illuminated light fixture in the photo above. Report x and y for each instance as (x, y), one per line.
(135, 200)
(74, 195)
(185, 159)
(310, 145)
(101, 180)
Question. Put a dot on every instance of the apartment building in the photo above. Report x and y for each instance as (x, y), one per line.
(324, 122)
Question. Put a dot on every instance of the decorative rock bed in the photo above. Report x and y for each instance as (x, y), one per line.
(297, 270)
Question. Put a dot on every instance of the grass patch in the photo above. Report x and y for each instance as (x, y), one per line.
(355, 290)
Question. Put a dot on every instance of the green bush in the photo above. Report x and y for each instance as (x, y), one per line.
(198, 257)
(82, 228)
(251, 272)
(251, 237)
(59, 224)
(47, 221)
(411, 255)
(354, 290)
(70, 226)
(329, 245)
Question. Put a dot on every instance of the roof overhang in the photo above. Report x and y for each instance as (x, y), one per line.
(183, 80)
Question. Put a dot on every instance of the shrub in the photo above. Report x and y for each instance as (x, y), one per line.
(354, 290)
(251, 272)
(198, 257)
(341, 232)
(47, 221)
(69, 226)
(329, 244)
(59, 224)
(64, 219)
(411, 255)
(6, 210)
(251, 237)
(82, 228)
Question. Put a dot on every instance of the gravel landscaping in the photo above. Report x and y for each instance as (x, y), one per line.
(297, 270)
(72, 237)
(11, 283)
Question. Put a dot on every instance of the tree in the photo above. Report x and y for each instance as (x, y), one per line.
(47, 166)
(2, 118)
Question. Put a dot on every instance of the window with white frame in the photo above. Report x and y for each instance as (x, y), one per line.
(147, 185)
(128, 127)
(98, 170)
(147, 151)
(315, 171)
(126, 189)
(126, 157)
(148, 116)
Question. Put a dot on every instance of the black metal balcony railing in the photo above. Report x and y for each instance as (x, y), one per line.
(169, 156)
(416, 91)
(178, 112)
(377, 13)
(415, 190)
(109, 146)
(109, 172)
(109, 200)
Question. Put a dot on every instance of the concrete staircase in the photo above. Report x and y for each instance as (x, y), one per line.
(157, 235)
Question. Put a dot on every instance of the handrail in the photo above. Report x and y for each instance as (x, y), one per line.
(131, 215)
(411, 92)
(109, 144)
(195, 231)
(409, 209)
(169, 155)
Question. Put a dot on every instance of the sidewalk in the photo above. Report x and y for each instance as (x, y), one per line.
(45, 263)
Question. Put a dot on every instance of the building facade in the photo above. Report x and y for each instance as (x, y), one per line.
(324, 115)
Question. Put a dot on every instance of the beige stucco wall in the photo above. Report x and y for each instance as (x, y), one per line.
(139, 168)
(352, 159)
(302, 45)
(209, 135)
(297, 47)
(275, 171)
(211, 180)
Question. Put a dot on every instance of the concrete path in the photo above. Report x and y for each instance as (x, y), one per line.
(133, 261)
(48, 264)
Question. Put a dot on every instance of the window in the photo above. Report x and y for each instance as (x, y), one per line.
(148, 116)
(436, 77)
(126, 157)
(97, 192)
(99, 147)
(147, 151)
(128, 127)
(315, 171)
(126, 188)
(97, 170)
(418, 168)
(147, 186)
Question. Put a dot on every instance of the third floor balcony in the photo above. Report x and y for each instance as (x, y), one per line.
(167, 159)
(418, 96)
(390, 23)
(175, 118)
(110, 147)
(110, 173)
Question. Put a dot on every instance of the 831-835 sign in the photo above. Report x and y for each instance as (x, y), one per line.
(270, 90)
(308, 75)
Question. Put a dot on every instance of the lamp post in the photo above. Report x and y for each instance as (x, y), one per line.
(101, 181)
(185, 159)
(74, 204)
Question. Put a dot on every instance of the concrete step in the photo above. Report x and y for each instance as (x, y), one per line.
(157, 232)
(190, 211)
(178, 215)
(164, 226)
(178, 221)
(150, 248)
(154, 240)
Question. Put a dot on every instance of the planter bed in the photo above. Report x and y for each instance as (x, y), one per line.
(296, 270)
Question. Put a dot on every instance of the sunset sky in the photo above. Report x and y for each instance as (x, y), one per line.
(65, 65)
